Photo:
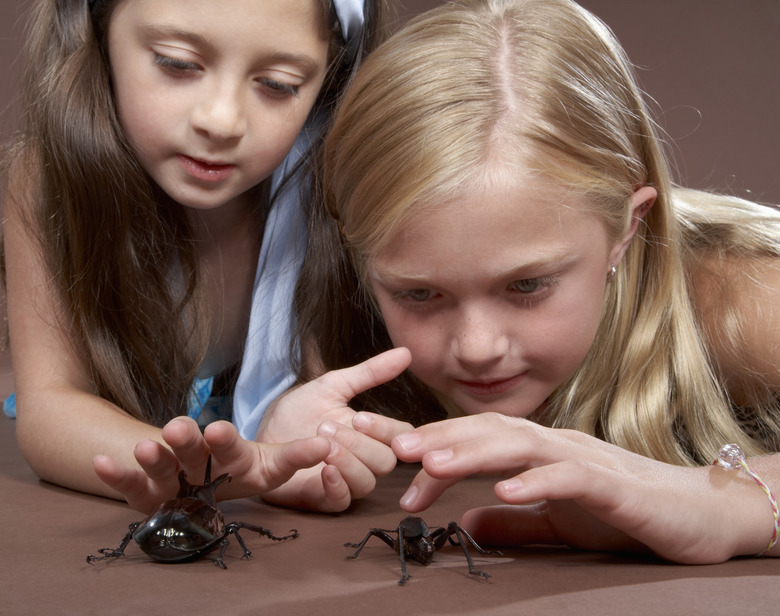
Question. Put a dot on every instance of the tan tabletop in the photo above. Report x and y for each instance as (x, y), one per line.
(48, 531)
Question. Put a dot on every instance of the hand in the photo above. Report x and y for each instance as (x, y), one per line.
(567, 487)
(255, 468)
(360, 443)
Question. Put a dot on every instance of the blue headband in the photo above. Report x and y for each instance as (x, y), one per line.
(349, 12)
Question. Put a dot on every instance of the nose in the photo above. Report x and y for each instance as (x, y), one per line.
(220, 113)
(479, 340)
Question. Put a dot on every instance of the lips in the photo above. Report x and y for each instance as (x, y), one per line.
(206, 171)
(490, 388)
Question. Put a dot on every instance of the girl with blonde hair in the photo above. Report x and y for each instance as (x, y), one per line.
(497, 215)
(497, 202)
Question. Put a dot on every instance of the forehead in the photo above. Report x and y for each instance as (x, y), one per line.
(498, 226)
(293, 23)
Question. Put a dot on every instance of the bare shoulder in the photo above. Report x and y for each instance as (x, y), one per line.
(738, 304)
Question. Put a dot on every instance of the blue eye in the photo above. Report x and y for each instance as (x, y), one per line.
(529, 285)
(416, 295)
(533, 285)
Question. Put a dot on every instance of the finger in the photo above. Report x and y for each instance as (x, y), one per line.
(358, 476)
(507, 449)
(511, 525)
(320, 488)
(423, 491)
(349, 382)
(184, 437)
(279, 462)
(228, 449)
(131, 484)
(382, 429)
(376, 456)
(412, 445)
(157, 461)
(336, 493)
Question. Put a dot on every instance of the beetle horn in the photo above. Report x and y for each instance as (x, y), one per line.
(207, 478)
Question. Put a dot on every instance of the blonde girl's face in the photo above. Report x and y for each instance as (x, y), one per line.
(213, 93)
(497, 295)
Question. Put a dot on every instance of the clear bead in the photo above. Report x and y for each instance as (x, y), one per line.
(730, 456)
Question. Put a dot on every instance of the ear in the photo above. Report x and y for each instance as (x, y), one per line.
(641, 202)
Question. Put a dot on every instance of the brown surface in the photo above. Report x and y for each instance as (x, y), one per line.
(719, 58)
(48, 532)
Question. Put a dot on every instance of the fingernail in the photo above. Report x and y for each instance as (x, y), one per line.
(326, 428)
(509, 486)
(408, 499)
(361, 421)
(331, 475)
(408, 441)
(441, 457)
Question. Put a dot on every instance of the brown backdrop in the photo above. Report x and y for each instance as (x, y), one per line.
(713, 66)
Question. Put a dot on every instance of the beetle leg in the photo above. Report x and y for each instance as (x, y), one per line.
(247, 554)
(115, 552)
(460, 533)
(218, 562)
(234, 526)
(376, 532)
(401, 549)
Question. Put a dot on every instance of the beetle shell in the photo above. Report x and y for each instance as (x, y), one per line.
(187, 527)
(180, 529)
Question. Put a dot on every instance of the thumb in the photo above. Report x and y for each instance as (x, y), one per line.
(511, 525)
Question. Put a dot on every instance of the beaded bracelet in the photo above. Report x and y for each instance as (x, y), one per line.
(732, 457)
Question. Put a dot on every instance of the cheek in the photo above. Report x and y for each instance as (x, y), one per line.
(567, 337)
(421, 336)
(144, 118)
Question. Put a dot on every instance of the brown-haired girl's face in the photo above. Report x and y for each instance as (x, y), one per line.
(212, 94)
(498, 295)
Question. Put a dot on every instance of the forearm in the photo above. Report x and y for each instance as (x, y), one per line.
(59, 434)
(750, 500)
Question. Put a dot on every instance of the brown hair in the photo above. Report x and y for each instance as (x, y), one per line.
(118, 250)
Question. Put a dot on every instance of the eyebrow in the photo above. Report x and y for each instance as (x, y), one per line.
(154, 30)
(544, 266)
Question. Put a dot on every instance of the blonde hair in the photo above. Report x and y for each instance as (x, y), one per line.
(542, 81)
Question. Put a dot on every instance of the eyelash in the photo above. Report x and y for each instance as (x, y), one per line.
(278, 88)
(183, 68)
(542, 286)
(174, 65)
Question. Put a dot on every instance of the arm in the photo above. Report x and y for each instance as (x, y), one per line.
(61, 425)
(567, 487)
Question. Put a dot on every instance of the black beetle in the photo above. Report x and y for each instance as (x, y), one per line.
(420, 543)
(187, 527)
